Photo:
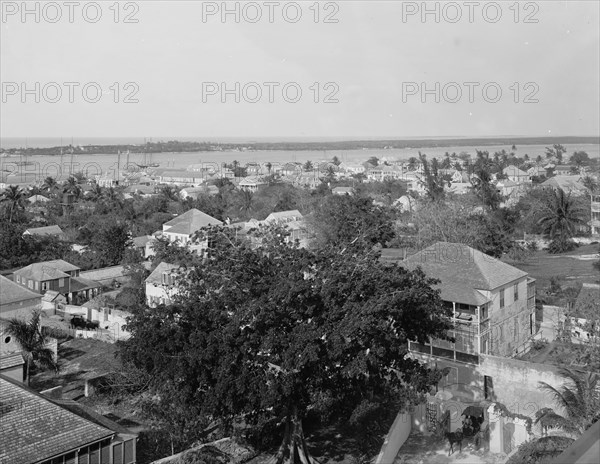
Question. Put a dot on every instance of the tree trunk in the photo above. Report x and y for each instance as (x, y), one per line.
(27, 371)
(293, 449)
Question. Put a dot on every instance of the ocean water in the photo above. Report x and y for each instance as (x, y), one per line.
(48, 142)
(60, 167)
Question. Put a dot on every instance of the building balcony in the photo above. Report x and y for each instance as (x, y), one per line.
(445, 353)
(595, 207)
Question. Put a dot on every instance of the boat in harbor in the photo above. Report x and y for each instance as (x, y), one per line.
(147, 162)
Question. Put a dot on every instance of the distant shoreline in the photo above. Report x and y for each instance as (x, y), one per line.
(175, 146)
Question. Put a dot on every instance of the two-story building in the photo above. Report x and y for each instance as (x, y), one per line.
(384, 172)
(161, 285)
(492, 304)
(57, 276)
(516, 175)
(293, 221)
(251, 184)
(17, 300)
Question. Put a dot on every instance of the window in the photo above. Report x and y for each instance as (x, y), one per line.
(516, 288)
(44, 285)
(531, 324)
(18, 279)
(30, 283)
(37, 285)
(502, 298)
(61, 282)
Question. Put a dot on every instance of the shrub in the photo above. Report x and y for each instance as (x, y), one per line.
(540, 451)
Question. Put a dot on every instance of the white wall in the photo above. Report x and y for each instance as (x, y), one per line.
(399, 432)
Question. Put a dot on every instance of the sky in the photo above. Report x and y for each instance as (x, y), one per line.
(301, 69)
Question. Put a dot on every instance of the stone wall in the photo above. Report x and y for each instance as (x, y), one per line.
(516, 383)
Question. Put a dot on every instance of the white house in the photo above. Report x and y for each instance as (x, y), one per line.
(182, 227)
(252, 184)
(161, 285)
(353, 168)
(492, 306)
(517, 175)
(343, 191)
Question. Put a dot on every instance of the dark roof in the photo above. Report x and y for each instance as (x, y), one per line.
(79, 283)
(190, 222)
(11, 292)
(463, 270)
(34, 428)
(91, 415)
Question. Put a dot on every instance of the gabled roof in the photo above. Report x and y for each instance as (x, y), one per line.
(292, 214)
(11, 292)
(571, 184)
(156, 276)
(36, 198)
(47, 270)
(189, 222)
(463, 270)
(34, 428)
(46, 230)
(51, 295)
(513, 171)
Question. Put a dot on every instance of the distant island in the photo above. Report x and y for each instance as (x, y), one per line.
(175, 146)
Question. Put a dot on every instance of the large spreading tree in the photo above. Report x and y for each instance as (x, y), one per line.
(262, 329)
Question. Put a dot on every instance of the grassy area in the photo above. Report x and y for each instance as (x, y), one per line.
(568, 266)
(79, 359)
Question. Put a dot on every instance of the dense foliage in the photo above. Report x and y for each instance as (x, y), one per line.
(275, 331)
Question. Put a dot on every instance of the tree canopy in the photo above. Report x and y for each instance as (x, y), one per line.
(275, 330)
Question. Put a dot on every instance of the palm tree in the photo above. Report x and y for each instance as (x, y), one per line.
(72, 186)
(96, 193)
(579, 397)
(14, 196)
(560, 216)
(33, 342)
(50, 185)
(112, 198)
(244, 202)
(590, 183)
